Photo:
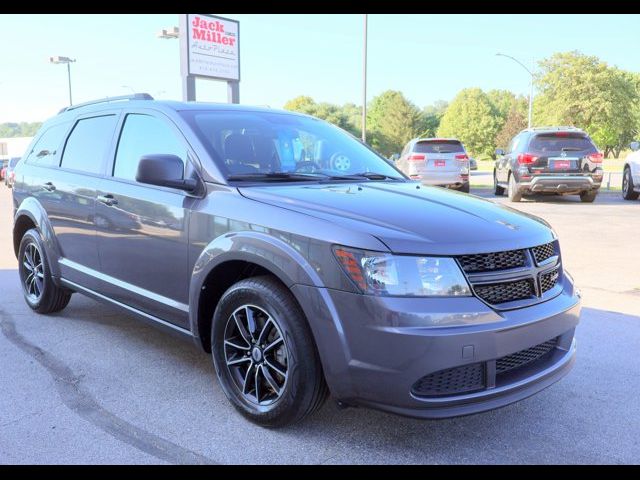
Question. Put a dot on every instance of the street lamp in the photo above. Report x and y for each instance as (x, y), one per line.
(68, 61)
(364, 84)
(531, 88)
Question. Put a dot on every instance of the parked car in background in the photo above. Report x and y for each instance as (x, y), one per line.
(549, 160)
(473, 164)
(631, 174)
(436, 161)
(302, 274)
(9, 176)
(3, 168)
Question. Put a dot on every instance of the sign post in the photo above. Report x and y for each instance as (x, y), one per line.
(209, 48)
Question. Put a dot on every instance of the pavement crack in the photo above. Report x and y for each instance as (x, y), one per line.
(82, 402)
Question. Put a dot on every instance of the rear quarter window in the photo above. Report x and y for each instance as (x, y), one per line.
(447, 146)
(45, 150)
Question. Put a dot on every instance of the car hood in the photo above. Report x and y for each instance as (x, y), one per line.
(410, 218)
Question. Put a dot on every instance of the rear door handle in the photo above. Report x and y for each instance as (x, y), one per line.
(49, 187)
(108, 200)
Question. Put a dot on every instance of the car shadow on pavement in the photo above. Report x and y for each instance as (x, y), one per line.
(140, 376)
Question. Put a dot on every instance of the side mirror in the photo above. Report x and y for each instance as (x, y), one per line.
(634, 146)
(499, 152)
(164, 171)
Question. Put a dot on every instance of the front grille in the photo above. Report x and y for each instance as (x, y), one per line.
(452, 381)
(523, 357)
(505, 292)
(543, 252)
(549, 280)
(488, 262)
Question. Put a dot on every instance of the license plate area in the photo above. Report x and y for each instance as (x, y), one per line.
(561, 164)
(439, 163)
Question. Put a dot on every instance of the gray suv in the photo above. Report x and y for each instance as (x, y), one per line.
(549, 160)
(241, 229)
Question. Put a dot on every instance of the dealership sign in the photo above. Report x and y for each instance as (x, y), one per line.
(213, 47)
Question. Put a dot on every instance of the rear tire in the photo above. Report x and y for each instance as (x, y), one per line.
(498, 191)
(512, 191)
(38, 289)
(627, 186)
(264, 353)
(464, 188)
(588, 196)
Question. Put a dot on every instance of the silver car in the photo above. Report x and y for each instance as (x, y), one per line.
(436, 161)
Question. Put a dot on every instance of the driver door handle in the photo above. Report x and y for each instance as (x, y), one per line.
(108, 200)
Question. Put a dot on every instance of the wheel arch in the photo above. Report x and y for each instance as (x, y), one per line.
(31, 214)
(234, 257)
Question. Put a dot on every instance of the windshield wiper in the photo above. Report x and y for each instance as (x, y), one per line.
(276, 176)
(367, 175)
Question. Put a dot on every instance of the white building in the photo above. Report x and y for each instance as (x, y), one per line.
(13, 147)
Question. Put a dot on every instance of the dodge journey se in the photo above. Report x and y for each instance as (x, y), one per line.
(301, 259)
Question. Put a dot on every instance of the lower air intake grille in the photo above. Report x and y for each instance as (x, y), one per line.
(505, 292)
(523, 357)
(452, 381)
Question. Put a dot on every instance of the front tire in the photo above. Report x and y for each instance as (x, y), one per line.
(512, 191)
(498, 191)
(264, 353)
(628, 192)
(38, 289)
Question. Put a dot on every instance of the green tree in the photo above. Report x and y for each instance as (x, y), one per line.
(431, 117)
(392, 121)
(339, 116)
(22, 129)
(581, 90)
(302, 104)
(513, 124)
(472, 118)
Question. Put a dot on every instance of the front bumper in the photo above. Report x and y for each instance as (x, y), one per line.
(559, 184)
(375, 349)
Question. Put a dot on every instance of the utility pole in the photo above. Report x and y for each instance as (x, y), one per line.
(364, 84)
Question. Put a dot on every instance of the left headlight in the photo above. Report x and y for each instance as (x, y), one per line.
(384, 274)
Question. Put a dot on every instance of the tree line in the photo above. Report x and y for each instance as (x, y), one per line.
(22, 129)
(571, 89)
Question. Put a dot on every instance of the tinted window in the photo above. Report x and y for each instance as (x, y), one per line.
(45, 149)
(144, 135)
(262, 142)
(557, 142)
(87, 144)
(447, 146)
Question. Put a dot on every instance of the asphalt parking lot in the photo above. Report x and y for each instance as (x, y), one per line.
(92, 385)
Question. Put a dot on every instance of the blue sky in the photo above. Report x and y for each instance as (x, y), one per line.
(427, 57)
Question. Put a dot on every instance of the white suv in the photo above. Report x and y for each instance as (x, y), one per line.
(631, 174)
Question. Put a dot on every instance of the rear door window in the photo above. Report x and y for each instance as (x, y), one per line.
(88, 143)
(440, 146)
(555, 143)
(45, 150)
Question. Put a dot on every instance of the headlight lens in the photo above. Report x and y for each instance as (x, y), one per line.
(402, 275)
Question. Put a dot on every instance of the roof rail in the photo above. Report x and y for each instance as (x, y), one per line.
(554, 127)
(135, 96)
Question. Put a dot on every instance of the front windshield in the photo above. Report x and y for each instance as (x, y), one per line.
(255, 143)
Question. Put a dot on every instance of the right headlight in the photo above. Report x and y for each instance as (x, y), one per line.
(384, 274)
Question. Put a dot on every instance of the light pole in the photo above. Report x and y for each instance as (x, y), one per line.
(68, 61)
(531, 86)
(364, 83)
